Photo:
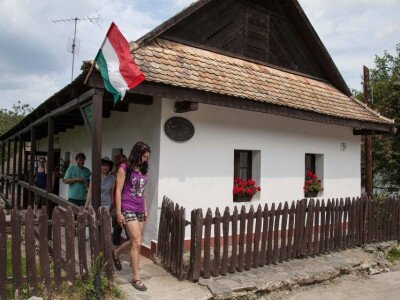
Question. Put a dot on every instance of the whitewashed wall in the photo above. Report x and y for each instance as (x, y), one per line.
(199, 172)
(122, 130)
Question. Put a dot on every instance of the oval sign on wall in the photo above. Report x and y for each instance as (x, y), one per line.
(179, 129)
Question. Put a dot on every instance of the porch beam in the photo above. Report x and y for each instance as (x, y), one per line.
(185, 106)
(97, 106)
(73, 104)
(183, 94)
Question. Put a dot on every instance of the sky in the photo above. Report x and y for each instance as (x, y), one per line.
(35, 64)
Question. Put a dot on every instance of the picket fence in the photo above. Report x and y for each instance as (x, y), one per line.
(270, 234)
(67, 249)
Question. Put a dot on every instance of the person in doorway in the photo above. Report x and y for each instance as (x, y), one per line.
(107, 184)
(40, 180)
(131, 206)
(78, 178)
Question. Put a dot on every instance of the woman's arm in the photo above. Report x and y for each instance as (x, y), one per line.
(118, 195)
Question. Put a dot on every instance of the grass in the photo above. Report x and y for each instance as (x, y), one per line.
(393, 255)
(92, 286)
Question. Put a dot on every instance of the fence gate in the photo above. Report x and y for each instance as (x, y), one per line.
(171, 237)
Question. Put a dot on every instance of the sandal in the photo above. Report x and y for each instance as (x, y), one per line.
(117, 262)
(138, 284)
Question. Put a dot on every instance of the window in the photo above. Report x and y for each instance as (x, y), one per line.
(247, 164)
(310, 163)
(315, 164)
(243, 164)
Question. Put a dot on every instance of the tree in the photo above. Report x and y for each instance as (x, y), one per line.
(11, 117)
(385, 84)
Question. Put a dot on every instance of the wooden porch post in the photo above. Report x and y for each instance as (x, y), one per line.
(97, 104)
(32, 164)
(14, 173)
(8, 167)
(25, 178)
(368, 140)
(50, 169)
(19, 177)
(3, 160)
(50, 155)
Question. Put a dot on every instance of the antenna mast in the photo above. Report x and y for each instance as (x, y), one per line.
(75, 42)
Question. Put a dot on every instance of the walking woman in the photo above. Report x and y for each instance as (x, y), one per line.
(131, 206)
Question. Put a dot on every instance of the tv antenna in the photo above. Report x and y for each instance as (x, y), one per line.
(73, 43)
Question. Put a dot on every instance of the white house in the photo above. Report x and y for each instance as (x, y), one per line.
(260, 96)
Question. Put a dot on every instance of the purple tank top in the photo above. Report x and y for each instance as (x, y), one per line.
(132, 198)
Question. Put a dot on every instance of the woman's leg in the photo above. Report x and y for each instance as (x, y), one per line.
(135, 229)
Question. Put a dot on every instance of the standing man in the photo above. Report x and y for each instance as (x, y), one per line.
(78, 178)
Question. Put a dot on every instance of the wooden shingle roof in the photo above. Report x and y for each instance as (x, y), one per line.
(180, 65)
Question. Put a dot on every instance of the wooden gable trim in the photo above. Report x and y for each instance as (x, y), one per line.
(298, 18)
(184, 94)
(186, 12)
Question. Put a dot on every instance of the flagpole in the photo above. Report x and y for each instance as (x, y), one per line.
(94, 62)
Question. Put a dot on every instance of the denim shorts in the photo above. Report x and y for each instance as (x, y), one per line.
(133, 216)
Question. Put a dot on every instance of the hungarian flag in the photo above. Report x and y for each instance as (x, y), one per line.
(116, 64)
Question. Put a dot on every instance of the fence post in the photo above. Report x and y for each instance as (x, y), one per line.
(225, 233)
(44, 250)
(16, 251)
(217, 243)
(207, 244)
(182, 225)
(233, 263)
(30, 252)
(249, 239)
(263, 254)
(107, 243)
(278, 213)
(195, 253)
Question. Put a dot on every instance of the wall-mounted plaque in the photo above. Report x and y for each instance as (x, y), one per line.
(179, 129)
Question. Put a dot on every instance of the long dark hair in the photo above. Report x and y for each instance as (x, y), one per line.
(135, 158)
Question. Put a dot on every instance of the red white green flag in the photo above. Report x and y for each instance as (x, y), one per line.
(116, 64)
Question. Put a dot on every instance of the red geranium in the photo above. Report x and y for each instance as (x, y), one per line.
(242, 188)
(312, 183)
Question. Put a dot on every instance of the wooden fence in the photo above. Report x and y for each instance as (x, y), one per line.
(276, 233)
(171, 237)
(70, 256)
